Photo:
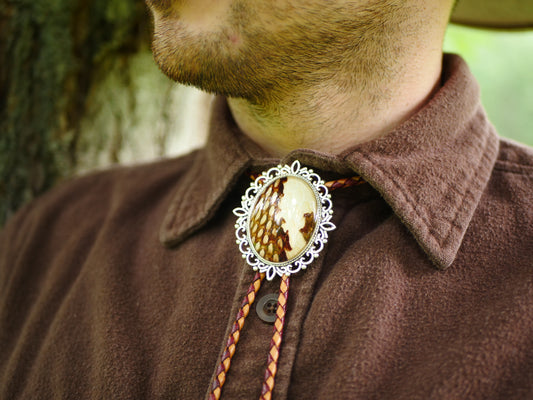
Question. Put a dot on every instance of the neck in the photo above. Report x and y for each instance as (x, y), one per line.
(330, 119)
(345, 110)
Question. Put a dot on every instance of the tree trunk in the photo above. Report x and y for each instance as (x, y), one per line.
(79, 90)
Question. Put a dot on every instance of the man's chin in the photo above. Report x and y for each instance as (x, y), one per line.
(197, 80)
(214, 79)
(162, 6)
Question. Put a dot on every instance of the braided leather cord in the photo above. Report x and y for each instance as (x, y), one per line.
(335, 184)
(233, 339)
(344, 182)
(275, 343)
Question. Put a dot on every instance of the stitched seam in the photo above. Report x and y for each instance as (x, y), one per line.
(468, 194)
(175, 205)
(210, 199)
(401, 190)
(514, 168)
(194, 224)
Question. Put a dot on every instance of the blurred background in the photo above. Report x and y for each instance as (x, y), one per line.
(503, 64)
(79, 91)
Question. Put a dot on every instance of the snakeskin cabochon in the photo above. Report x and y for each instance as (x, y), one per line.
(283, 219)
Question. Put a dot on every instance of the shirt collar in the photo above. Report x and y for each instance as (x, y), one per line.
(431, 170)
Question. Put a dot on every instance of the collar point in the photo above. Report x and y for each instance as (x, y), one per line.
(442, 261)
(168, 238)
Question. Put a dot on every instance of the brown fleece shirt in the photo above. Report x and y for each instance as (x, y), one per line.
(124, 284)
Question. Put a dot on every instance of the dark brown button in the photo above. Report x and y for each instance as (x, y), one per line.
(266, 307)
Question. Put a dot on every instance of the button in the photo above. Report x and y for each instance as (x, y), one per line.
(266, 307)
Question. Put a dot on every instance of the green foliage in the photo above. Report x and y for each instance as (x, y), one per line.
(503, 64)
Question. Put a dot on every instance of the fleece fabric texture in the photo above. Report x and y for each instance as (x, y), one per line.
(124, 284)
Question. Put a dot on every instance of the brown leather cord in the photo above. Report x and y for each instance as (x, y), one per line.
(334, 184)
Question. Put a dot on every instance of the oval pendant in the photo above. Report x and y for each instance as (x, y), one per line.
(283, 220)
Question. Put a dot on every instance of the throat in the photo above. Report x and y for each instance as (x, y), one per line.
(333, 118)
(328, 123)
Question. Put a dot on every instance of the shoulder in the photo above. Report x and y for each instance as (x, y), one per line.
(109, 187)
(512, 177)
(80, 207)
(515, 158)
(507, 203)
(121, 182)
(500, 234)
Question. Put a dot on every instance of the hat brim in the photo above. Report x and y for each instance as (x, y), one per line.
(496, 14)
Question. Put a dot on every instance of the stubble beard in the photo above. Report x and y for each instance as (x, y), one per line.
(265, 66)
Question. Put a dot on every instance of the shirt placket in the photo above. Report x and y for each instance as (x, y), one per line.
(245, 377)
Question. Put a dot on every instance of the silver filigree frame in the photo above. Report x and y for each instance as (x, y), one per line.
(320, 234)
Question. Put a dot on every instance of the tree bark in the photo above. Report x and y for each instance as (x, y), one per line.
(77, 82)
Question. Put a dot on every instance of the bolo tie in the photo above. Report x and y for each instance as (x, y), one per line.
(282, 226)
